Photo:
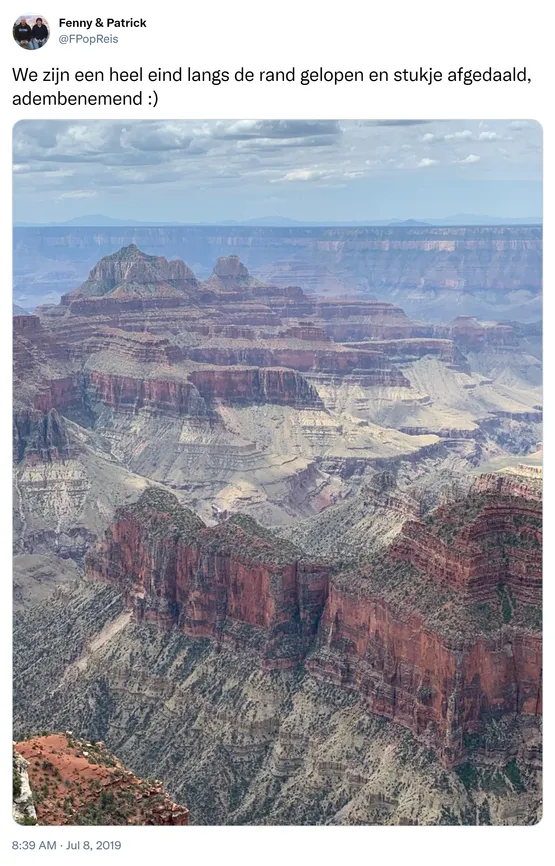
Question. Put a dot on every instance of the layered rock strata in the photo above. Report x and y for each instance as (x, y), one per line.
(233, 582)
(426, 633)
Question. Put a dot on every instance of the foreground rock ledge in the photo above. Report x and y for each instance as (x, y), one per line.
(77, 782)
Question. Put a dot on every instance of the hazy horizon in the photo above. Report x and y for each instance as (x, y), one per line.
(101, 221)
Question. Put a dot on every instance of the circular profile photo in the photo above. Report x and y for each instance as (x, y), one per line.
(31, 31)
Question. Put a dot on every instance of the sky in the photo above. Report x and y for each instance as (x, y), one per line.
(311, 170)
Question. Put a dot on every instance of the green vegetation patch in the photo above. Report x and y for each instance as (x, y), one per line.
(468, 774)
(513, 774)
(16, 780)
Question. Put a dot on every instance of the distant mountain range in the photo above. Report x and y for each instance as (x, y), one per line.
(455, 220)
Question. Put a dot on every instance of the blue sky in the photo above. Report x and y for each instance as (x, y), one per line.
(208, 171)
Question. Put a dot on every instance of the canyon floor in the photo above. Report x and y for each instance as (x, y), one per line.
(281, 551)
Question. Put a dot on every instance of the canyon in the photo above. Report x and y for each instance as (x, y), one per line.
(302, 530)
(424, 643)
(490, 272)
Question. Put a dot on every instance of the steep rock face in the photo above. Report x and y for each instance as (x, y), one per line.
(303, 360)
(39, 436)
(486, 542)
(233, 582)
(523, 485)
(58, 394)
(189, 396)
(402, 633)
(469, 333)
(118, 307)
(255, 385)
(34, 346)
(441, 632)
(142, 347)
(415, 347)
(231, 277)
(242, 746)
(409, 673)
(26, 324)
(349, 320)
(230, 267)
(125, 393)
(307, 331)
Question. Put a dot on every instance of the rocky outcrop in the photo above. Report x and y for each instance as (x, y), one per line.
(80, 782)
(306, 360)
(40, 435)
(485, 542)
(58, 394)
(307, 331)
(131, 273)
(475, 263)
(26, 324)
(143, 348)
(473, 335)
(241, 746)
(415, 633)
(34, 346)
(233, 582)
(417, 347)
(440, 689)
(23, 807)
(125, 393)
(525, 485)
(255, 385)
(191, 394)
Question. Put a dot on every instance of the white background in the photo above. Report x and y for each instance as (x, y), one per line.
(263, 35)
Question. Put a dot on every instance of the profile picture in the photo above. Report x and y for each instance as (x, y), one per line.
(31, 31)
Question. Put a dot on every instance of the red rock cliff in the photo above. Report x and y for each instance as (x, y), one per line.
(402, 632)
(487, 541)
(255, 385)
(441, 688)
(233, 582)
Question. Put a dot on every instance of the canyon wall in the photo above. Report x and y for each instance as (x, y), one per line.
(491, 541)
(237, 583)
(440, 689)
(233, 582)
(484, 263)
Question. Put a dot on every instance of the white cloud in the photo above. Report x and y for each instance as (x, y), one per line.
(457, 136)
(303, 174)
(85, 161)
(468, 160)
(79, 193)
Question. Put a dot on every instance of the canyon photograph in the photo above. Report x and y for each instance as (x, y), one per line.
(277, 467)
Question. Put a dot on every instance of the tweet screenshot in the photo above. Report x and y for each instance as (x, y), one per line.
(276, 340)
